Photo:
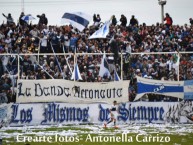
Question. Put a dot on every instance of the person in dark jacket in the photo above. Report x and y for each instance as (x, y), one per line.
(21, 21)
(114, 20)
(9, 19)
(42, 19)
(191, 21)
(114, 45)
(133, 21)
(123, 21)
(94, 18)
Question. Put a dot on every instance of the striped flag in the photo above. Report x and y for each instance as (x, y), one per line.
(76, 74)
(104, 67)
(102, 32)
(167, 88)
(78, 20)
(27, 18)
(116, 76)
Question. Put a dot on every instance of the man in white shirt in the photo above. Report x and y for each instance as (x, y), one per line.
(43, 44)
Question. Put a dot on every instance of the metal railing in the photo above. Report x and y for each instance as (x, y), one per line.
(81, 54)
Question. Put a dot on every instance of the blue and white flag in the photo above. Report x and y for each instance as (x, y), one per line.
(116, 76)
(104, 67)
(27, 18)
(188, 89)
(76, 74)
(168, 88)
(102, 32)
(78, 20)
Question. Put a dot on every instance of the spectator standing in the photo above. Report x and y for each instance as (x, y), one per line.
(133, 21)
(115, 48)
(191, 21)
(94, 18)
(98, 20)
(114, 20)
(54, 39)
(9, 19)
(123, 20)
(168, 20)
(42, 20)
(21, 21)
(43, 43)
(73, 42)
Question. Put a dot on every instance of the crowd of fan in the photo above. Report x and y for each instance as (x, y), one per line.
(126, 38)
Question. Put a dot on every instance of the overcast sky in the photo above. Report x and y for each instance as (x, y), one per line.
(147, 11)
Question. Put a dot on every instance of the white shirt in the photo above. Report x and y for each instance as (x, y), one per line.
(44, 41)
(114, 108)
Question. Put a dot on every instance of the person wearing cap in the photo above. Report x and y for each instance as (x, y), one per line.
(9, 19)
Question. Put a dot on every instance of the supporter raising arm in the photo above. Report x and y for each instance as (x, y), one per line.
(9, 19)
(42, 20)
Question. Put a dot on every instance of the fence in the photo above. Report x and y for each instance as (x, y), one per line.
(16, 67)
(75, 55)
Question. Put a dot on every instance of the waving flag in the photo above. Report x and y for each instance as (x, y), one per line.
(27, 18)
(104, 67)
(167, 88)
(77, 19)
(102, 32)
(76, 74)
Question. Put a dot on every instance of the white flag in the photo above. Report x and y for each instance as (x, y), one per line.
(77, 19)
(76, 74)
(102, 32)
(104, 67)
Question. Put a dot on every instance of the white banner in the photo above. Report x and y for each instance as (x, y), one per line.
(71, 91)
(97, 113)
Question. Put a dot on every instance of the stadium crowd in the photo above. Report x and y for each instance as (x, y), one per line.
(125, 37)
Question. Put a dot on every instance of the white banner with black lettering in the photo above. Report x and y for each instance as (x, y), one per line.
(96, 113)
(71, 92)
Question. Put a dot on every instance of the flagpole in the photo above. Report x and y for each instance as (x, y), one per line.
(114, 73)
(121, 65)
(178, 66)
(18, 66)
(44, 70)
(39, 53)
(66, 60)
(178, 61)
(56, 59)
(74, 64)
